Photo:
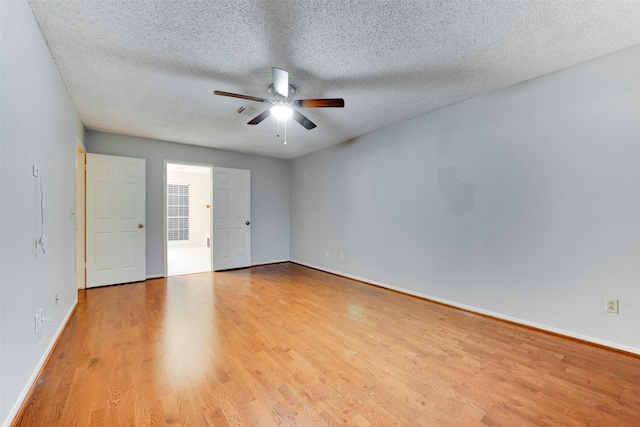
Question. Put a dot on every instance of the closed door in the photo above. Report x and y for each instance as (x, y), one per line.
(231, 218)
(115, 220)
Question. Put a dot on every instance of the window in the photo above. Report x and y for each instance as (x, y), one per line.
(178, 212)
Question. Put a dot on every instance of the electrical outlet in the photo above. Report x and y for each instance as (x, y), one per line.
(341, 256)
(611, 305)
(326, 254)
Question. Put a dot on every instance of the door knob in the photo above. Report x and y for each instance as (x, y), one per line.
(140, 226)
(248, 222)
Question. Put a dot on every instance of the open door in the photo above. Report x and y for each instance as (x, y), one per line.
(115, 215)
(231, 218)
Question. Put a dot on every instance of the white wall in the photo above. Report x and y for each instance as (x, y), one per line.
(269, 191)
(523, 203)
(199, 214)
(39, 126)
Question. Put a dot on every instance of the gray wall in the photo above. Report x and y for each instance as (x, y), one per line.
(269, 191)
(39, 126)
(523, 203)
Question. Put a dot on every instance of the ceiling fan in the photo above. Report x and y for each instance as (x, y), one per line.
(282, 101)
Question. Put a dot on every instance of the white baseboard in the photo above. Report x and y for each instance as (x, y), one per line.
(270, 262)
(34, 376)
(477, 310)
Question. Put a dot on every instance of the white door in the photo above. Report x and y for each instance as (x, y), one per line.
(115, 220)
(231, 218)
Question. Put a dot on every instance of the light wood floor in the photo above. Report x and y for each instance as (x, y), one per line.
(287, 345)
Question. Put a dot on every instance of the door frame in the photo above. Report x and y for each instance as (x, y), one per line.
(81, 199)
(165, 163)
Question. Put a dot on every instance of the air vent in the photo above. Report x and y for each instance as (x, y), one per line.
(247, 111)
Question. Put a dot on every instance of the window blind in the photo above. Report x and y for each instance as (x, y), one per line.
(178, 212)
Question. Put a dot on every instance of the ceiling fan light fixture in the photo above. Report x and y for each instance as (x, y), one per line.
(281, 112)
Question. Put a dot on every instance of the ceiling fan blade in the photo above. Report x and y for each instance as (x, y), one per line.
(236, 95)
(280, 81)
(320, 103)
(300, 118)
(260, 117)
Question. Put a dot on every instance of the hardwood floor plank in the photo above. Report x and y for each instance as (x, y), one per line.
(291, 346)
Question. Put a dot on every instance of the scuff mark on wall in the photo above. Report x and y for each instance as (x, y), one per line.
(458, 195)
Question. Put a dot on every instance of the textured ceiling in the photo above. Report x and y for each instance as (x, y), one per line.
(148, 68)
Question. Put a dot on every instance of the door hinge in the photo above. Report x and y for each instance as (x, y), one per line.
(85, 265)
(85, 168)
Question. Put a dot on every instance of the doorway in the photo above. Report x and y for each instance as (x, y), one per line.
(188, 218)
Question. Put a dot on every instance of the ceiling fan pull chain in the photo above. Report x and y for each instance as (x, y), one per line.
(285, 132)
(278, 134)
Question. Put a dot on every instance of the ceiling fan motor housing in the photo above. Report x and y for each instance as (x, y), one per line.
(276, 97)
